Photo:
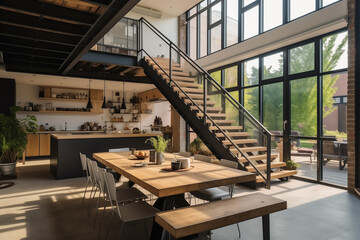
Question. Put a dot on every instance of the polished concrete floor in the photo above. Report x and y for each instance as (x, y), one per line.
(39, 207)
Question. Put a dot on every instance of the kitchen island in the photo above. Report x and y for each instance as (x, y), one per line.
(65, 149)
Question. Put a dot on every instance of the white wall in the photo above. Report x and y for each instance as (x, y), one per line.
(29, 93)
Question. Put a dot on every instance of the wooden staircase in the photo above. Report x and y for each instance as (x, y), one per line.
(256, 153)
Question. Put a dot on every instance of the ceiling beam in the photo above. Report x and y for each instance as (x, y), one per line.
(40, 23)
(14, 66)
(38, 35)
(113, 14)
(108, 76)
(30, 59)
(32, 52)
(35, 44)
(103, 3)
(50, 10)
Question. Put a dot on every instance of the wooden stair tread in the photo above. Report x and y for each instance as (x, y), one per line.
(154, 66)
(177, 73)
(189, 90)
(263, 166)
(220, 120)
(213, 128)
(180, 78)
(239, 141)
(257, 157)
(207, 108)
(233, 134)
(212, 115)
(191, 95)
(200, 102)
(248, 149)
(186, 84)
(275, 175)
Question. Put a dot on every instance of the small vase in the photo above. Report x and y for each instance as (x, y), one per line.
(159, 158)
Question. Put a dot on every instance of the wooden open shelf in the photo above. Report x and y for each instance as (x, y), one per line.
(59, 112)
(65, 99)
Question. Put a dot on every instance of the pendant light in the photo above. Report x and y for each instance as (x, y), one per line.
(89, 104)
(123, 106)
(104, 102)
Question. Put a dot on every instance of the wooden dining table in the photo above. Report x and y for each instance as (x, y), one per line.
(170, 186)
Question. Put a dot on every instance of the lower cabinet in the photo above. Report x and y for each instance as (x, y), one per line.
(38, 145)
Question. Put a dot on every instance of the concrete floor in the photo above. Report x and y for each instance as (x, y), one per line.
(39, 207)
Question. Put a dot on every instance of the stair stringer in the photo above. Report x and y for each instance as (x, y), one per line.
(210, 140)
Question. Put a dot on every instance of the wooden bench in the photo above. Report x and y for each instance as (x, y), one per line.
(191, 220)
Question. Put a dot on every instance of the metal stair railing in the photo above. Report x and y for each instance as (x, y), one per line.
(207, 79)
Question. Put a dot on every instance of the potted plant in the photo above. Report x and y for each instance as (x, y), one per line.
(159, 145)
(13, 139)
(198, 147)
(291, 165)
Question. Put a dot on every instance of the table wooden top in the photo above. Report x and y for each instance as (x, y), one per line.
(162, 183)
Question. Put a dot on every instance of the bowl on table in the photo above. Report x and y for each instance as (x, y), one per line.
(141, 155)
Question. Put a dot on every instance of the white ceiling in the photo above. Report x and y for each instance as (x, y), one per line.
(170, 7)
(39, 79)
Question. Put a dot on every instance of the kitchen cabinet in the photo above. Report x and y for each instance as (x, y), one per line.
(44, 144)
(32, 147)
(38, 145)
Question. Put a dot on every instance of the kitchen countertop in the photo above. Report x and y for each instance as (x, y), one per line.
(67, 131)
(103, 135)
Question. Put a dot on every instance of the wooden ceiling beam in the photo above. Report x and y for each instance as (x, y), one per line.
(33, 52)
(40, 23)
(50, 10)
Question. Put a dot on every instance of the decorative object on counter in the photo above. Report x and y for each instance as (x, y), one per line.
(134, 99)
(52, 128)
(42, 128)
(159, 145)
(89, 104)
(123, 105)
(13, 140)
(136, 130)
(104, 102)
(158, 121)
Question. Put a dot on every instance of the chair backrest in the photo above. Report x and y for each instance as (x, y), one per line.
(185, 154)
(202, 158)
(102, 183)
(329, 148)
(119, 150)
(228, 163)
(90, 168)
(95, 170)
(83, 162)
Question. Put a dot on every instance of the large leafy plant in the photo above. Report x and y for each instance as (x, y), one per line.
(159, 144)
(13, 137)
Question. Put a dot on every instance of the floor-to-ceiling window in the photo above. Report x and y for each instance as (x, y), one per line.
(300, 92)
(217, 24)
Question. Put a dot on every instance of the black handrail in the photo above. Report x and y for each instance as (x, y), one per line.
(208, 77)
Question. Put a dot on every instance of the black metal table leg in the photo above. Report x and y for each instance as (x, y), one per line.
(266, 227)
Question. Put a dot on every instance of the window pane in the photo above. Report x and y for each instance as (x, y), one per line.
(231, 77)
(192, 42)
(203, 4)
(304, 106)
(335, 172)
(328, 2)
(232, 113)
(232, 22)
(203, 34)
(215, 38)
(335, 55)
(247, 2)
(215, 13)
(334, 106)
(273, 14)
(251, 101)
(192, 11)
(251, 22)
(273, 66)
(273, 106)
(306, 160)
(251, 72)
(216, 76)
(299, 8)
(302, 59)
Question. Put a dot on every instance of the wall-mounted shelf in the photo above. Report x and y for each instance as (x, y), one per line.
(58, 112)
(124, 122)
(66, 99)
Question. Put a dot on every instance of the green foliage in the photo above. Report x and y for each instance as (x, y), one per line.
(13, 137)
(159, 144)
(198, 147)
(335, 133)
(291, 165)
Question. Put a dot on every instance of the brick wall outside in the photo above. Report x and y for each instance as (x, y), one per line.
(351, 96)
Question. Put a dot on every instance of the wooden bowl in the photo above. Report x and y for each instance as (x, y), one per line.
(141, 157)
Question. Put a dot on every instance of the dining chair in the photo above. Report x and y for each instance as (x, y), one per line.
(85, 171)
(117, 175)
(131, 212)
(91, 178)
(119, 149)
(185, 154)
(203, 158)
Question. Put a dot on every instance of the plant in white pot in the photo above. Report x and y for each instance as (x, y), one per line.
(13, 139)
(159, 145)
